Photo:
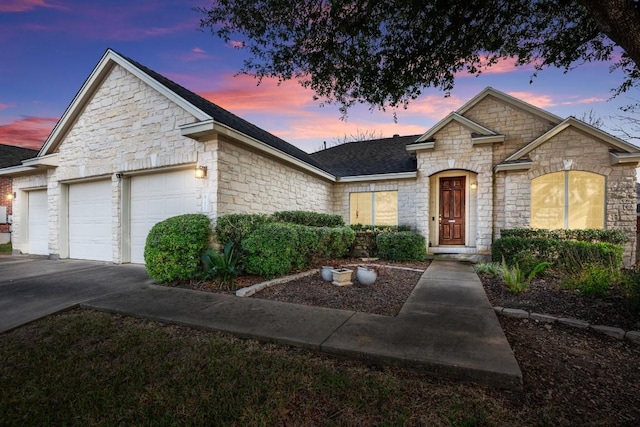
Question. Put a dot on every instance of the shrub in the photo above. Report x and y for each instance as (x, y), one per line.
(567, 255)
(269, 250)
(593, 281)
(174, 247)
(235, 227)
(631, 290)
(223, 266)
(491, 268)
(615, 236)
(312, 219)
(334, 242)
(401, 246)
(516, 279)
(366, 237)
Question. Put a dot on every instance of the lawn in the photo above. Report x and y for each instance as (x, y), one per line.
(89, 368)
(5, 248)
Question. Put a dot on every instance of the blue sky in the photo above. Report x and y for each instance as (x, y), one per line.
(49, 47)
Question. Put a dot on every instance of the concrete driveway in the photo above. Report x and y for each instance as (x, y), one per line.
(32, 288)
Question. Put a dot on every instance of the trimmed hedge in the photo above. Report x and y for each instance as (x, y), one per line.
(174, 247)
(269, 250)
(235, 227)
(366, 236)
(566, 255)
(312, 219)
(277, 248)
(401, 246)
(617, 237)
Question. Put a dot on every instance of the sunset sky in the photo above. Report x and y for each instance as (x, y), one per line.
(49, 47)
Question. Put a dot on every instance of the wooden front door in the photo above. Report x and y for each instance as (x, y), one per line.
(452, 212)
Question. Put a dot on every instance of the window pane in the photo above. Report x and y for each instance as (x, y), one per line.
(386, 207)
(586, 200)
(547, 201)
(360, 208)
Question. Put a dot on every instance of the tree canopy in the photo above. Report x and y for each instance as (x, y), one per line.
(384, 53)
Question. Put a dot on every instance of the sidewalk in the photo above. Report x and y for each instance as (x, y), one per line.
(447, 326)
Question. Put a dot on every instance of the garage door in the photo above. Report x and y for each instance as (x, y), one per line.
(90, 225)
(38, 223)
(155, 198)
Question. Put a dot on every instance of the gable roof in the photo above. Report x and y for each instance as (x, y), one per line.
(202, 109)
(378, 156)
(13, 156)
(458, 118)
(617, 143)
(518, 103)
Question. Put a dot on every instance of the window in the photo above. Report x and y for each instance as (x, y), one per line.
(374, 208)
(569, 199)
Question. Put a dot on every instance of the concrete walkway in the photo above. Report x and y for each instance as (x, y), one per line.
(447, 326)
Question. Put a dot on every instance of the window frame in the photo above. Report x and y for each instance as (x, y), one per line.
(372, 207)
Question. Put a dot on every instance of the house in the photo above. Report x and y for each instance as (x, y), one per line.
(9, 156)
(133, 148)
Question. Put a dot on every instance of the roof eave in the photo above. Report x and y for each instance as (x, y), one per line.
(209, 128)
(508, 167)
(624, 158)
(378, 177)
(421, 146)
(491, 139)
(18, 171)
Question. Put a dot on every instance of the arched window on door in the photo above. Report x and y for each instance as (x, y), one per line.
(568, 199)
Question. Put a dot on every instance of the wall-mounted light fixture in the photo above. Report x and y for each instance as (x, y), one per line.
(11, 196)
(119, 175)
(474, 185)
(201, 171)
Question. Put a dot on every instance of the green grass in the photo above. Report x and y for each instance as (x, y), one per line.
(89, 368)
(5, 248)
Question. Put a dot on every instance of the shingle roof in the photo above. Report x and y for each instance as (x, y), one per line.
(13, 156)
(377, 156)
(223, 116)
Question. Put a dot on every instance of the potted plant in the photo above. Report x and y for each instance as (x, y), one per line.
(367, 274)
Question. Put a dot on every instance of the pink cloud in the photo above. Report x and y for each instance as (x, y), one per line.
(3, 106)
(236, 44)
(29, 132)
(25, 5)
(243, 94)
(539, 100)
(579, 101)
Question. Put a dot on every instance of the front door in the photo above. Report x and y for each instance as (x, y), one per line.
(452, 210)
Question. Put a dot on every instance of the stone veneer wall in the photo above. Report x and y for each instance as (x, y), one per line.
(411, 198)
(249, 182)
(520, 127)
(588, 155)
(453, 150)
(5, 189)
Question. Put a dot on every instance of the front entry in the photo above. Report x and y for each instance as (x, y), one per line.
(452, 210)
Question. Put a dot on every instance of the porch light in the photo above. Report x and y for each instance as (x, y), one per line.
(11, 196)
(474, 185)
(201, 172)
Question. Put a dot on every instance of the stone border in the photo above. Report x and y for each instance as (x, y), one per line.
(250, 290)
(632, 336)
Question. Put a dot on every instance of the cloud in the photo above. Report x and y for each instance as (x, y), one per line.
(236, 44)
(25, 5)
(3, 106)
(539, 100)
(243, 94)
(579, 101)
(29, 132)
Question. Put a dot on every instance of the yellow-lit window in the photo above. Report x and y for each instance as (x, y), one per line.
(374, 208)
(569, 199)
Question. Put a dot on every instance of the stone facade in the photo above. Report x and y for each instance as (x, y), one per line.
(127, 127)
(5, 190)
(250, 182)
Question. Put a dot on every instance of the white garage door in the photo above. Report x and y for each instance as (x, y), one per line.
(38, 223)
(90, 225)
(155, 198)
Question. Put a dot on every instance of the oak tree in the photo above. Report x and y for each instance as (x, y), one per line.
(384, 53)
